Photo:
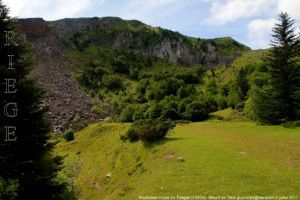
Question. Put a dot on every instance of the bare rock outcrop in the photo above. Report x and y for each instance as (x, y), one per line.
(63, 97)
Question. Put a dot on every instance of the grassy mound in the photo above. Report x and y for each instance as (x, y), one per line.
(220, 158)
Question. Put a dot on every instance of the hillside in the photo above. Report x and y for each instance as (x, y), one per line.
(63, 47)
(220, 158)
(225, 74)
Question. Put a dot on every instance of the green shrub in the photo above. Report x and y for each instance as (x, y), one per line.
(8, 189)
(186, 91)
(141, 89)
(153, 111)
(240, 106)
(183, 104)
(169, 113)
(92, 75)
(140, 113)
(130, 135)
(224, 89)
(134, 73)
(297, 123)
(120, 65)
(112, 82)
(165, 87)
(290, 124)
(153, 92)
(188, 77)
(211, 87)
(222, 102)
(197, 111)
(127, 114)
(69, 135)
(169, 101)
(211, 102)
(149, 129)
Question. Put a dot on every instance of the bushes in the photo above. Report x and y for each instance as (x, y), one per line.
(211, 87)
(127, 114)
(92, 75)
(134, 73)
(69, 135)
(112, 82)
(197, 111)
(166, 87)
(153, 111)
(194, 108)
(129, 63)
(8, 189)
(148, 130)
(170, 113)
(186, 91)
(120, 65)
(140, 112)
(188, 77)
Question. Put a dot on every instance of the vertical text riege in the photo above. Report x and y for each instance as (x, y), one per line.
(11, 108)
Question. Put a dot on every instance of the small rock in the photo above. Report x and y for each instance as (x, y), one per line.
(107, 119)
(108, 175)
(180, 159)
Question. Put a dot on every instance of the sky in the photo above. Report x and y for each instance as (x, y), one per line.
(247, 21)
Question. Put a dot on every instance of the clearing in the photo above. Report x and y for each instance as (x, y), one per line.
(220, 158)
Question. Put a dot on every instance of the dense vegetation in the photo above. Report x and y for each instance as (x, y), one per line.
(134, 86)
(159, 93)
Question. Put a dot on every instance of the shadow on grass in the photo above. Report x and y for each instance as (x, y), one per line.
(148, 144)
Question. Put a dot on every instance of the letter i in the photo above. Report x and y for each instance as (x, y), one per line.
(10, 61)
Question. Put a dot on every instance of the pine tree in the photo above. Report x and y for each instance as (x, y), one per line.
(27, 167)
(277, 100)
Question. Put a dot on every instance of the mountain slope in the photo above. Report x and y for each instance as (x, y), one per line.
(140, 38)
(55, 69)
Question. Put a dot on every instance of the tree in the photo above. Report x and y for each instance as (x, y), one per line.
(240, 86)
(278, 99)
(26, 165)
(212, 87)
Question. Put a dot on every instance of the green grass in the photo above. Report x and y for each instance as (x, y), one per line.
(221, 158)
(229, 114)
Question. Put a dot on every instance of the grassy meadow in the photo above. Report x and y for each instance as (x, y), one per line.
(220, 158)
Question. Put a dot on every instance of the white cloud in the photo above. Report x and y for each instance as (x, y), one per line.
(261, 16)
(292, 7)
(49, 9)
(143, 9)
(159, 2)
(259, 31)
(226, 11)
